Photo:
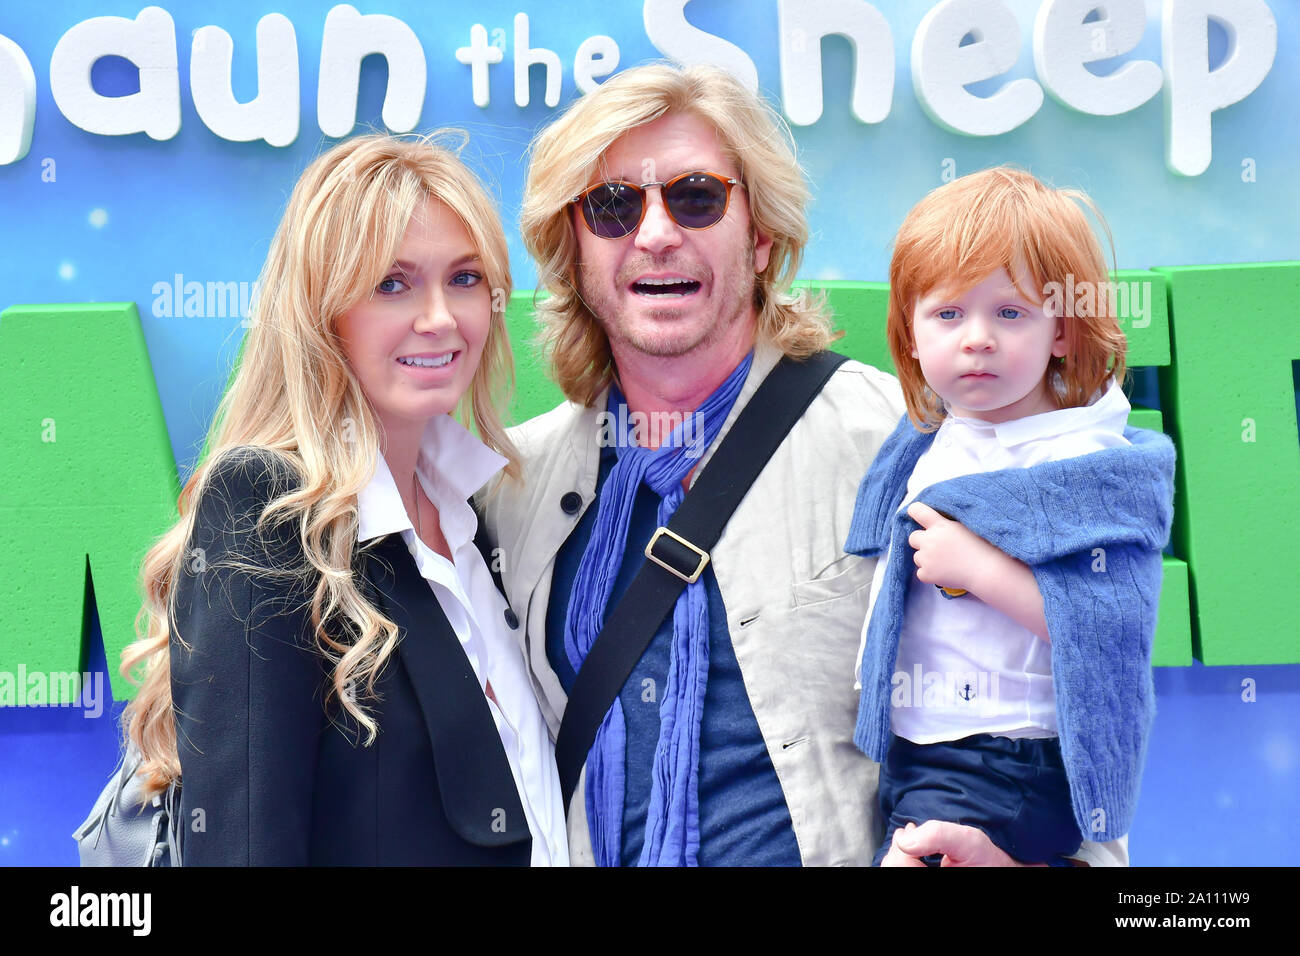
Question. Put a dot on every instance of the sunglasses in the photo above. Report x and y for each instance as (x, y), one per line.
(695, 200)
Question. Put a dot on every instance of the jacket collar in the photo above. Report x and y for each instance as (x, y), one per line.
(478, 790)
(766, 357)
(452, 464)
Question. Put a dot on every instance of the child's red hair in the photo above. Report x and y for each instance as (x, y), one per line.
(1004, 218)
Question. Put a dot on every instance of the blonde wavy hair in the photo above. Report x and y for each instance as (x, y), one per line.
(294, 388)
(1005, 218)
(565, 157)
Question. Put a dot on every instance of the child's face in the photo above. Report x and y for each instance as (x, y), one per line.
(985, 352)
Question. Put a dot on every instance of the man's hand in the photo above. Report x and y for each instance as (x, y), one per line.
(895, 856)
(960, 845)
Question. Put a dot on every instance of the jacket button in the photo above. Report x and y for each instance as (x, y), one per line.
(512, 620)
(570, 502)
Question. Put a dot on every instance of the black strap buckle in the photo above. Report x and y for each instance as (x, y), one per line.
(677, 555)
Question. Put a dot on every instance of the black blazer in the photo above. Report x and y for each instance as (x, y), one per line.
(269, 774)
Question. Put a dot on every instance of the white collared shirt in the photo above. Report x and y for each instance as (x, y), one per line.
(452, 464)
(964, 667)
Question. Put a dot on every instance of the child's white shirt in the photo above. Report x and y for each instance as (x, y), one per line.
(964, 667)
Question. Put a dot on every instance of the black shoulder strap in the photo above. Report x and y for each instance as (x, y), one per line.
(487, 548)
(678, 553)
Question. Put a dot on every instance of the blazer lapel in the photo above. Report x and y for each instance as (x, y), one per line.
(478, 790)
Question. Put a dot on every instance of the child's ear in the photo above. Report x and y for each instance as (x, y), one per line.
(1058, 343)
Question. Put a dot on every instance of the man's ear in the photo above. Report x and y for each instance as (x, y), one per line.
(762, 251)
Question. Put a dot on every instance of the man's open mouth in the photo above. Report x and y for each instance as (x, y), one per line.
(673, 287)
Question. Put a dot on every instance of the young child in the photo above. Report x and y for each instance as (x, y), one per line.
(1005, 671)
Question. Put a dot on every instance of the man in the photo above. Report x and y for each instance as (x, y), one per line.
(731, 742)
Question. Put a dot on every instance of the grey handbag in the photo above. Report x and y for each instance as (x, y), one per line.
(125, 830)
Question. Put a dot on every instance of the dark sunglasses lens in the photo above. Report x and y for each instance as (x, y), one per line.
(612, 210)
(697, 201)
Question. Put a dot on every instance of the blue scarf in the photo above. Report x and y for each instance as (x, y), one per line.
(672, 829)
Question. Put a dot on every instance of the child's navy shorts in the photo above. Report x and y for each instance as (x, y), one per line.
(1015, 790)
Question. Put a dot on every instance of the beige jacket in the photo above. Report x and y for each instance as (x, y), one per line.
(795, 601)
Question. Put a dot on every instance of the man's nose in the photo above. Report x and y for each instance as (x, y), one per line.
(657, 232)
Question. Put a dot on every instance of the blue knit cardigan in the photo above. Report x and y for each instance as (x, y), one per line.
(1068, 520)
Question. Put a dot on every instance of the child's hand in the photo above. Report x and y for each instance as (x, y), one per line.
(947, 553)
(952, 556)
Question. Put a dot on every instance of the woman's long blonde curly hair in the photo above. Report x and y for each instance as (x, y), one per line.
(295, 395)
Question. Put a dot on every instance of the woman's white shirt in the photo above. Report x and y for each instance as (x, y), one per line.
(452, 464)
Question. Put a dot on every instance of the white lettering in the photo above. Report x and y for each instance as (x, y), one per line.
(148, 41)
(1194, 91)
(597, 56)
(527, 57)
(17, 102)
(479, 55)
(942, 67)
(667, 28)
(802, 26)
(273, 114)
(349, 38)
(1063, 43)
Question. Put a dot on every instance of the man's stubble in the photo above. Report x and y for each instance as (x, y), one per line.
(733, 304)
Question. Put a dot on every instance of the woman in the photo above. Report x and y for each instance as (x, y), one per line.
(330, 670)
